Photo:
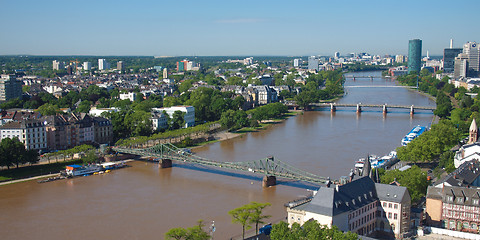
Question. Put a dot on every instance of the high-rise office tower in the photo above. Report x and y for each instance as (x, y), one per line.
(461, 66)
(313, 63)
(165, 73)
(87, 66)
(414, 55)
(103, 64)
(472, 50)
(336, 55)
(120, 66)
(57, 65)
(10, 87)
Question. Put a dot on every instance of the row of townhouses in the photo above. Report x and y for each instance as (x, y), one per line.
(58, 132)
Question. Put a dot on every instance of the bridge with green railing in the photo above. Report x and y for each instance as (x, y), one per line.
(271, 168)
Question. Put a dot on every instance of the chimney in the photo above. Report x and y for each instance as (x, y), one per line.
(451, 43)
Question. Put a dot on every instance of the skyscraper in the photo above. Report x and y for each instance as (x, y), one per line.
(414, 55)
(120, 66)
(449, 55)
(312, 63)
(10, 87)
(57, 65)
(472, 50)
(103, 64)
(165, 73)
(87, 66)
(461, 66)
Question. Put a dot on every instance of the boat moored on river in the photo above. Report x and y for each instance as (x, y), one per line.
(414, 133)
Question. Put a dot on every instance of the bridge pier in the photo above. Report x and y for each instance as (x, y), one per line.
(165, 163)
(385, 109)
(269, 181)
(333, 108)
(412, 110)
(359, 109)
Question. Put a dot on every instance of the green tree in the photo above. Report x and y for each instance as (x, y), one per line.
(84, 106)
(138, 123)
(176, 233)
(257, 213)
(196, 232)
(90, 157)
(171, 101)
(242, 215)
(428, 146)
(227, 120)
(13, 152)
(414, 179)
(177, 120)
(48, 109)
(311, 230)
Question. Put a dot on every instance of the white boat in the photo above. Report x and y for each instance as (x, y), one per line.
(77, 170)
(361, 162)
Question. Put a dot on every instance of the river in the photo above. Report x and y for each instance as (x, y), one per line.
(143, 201)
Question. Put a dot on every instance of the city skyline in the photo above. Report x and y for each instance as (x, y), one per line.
(219, 28)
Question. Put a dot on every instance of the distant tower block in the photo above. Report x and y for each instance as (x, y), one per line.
(412, 110)
(165, 73)
(332, 108)
(359, 108)
(385, 109)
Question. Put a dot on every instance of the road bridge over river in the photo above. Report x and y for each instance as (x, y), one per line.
(271, 168)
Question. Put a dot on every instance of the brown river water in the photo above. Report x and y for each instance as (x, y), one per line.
(143, 201)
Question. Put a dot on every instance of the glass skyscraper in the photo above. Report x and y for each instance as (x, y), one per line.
(414, 55)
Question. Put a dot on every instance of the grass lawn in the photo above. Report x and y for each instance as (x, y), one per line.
(36, 170)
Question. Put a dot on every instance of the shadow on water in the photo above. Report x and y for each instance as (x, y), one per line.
(230, 173)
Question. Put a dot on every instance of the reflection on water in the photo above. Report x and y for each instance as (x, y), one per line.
(143, 201)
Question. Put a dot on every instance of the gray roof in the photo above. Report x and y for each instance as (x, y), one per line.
(340, 199)
(465, 195)
(392, 193)
(434, 192)
(465, 175)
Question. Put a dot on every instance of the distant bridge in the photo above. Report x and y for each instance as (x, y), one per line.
(379, 86)
(333, 107)
(359, 106)
(269, 166)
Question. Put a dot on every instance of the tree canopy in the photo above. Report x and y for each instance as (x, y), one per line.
(311, 230)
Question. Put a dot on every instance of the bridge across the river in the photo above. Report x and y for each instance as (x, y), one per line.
(269, 166)
(333, 106)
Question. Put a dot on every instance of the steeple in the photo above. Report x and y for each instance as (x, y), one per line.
(473, 132)
(367, 167)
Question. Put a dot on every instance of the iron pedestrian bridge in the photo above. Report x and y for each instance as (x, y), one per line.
(269, 166)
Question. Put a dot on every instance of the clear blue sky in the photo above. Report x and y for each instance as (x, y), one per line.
(261, 27)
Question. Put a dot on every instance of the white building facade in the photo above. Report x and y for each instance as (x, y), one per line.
(189, 111)
(31, 133)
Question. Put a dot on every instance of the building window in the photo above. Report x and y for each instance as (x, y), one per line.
(389, 215)
(384, 204)
(395, 206)
(395, 216)
(475, 201)
(389, 205)
(466, 225)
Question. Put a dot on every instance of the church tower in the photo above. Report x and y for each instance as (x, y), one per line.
(473, 135)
